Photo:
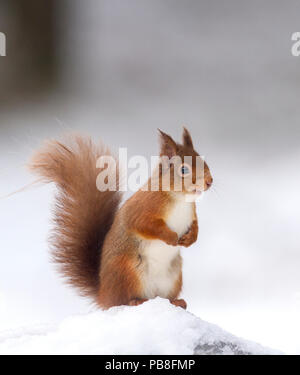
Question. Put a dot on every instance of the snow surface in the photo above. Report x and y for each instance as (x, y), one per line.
(241, 105)
(156, 327)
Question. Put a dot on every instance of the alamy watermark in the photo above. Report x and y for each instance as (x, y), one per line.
(295, 50)
(2, 44)
(175, 174)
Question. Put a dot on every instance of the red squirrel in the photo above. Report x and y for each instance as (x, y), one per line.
(120, 255)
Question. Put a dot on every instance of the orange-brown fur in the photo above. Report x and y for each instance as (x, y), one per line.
(149, 223)
(177, 287)
(191, 236)
(96, 243)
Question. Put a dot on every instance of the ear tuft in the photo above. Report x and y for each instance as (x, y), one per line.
(186, 138)
(167, 145)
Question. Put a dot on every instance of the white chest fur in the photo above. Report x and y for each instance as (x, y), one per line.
(162, 264)
(180, 217)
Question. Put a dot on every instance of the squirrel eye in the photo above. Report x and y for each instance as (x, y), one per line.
(184, 170)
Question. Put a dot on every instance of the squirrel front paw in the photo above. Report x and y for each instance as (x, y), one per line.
(188, 239)
(172, 239)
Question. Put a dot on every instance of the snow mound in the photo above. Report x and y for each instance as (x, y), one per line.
(155, 327)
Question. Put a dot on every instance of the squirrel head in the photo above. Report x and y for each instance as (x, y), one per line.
(189, 173)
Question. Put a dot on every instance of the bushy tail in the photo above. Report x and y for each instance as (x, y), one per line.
(83, 214)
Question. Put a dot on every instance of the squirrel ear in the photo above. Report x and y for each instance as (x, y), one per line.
(167, 145)
(186, 138)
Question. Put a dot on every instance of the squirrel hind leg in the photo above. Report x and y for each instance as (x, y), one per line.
(179, 303)
(176, 302)
(137, 301)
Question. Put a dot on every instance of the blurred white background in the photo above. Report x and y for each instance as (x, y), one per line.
(120, 69)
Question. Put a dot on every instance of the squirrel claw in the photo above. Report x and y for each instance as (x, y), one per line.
(137, 301)
(179, 303)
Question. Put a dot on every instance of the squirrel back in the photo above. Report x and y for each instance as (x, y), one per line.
(83, 214)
